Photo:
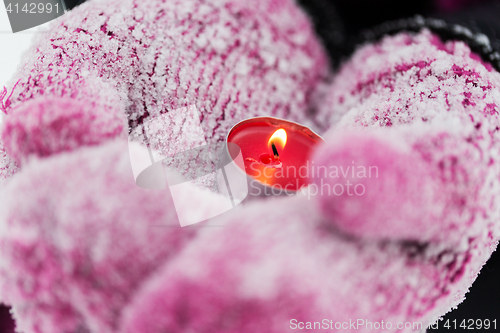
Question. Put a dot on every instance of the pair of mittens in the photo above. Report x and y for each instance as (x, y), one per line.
(80, 248)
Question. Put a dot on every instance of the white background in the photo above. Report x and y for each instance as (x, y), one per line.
(12, 46)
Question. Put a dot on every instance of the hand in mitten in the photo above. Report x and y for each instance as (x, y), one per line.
(421, 117)
(77, 238)
(111, 59)
(86, 257)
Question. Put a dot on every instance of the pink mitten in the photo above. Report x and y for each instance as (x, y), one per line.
(71, 257)
(421, 117)
(77, 237)
(141, 59)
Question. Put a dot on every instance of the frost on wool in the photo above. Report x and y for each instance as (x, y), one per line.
(279, 262)
(37, 122)
(411, 78)
(78, 237)
(231, 59)
(76, 240)
(78, 253)
(435, 109)
(426, 114)
(8, 167)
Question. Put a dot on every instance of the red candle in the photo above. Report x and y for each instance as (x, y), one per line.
(276, 152)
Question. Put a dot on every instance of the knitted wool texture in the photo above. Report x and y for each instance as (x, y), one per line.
(97, 74)
(79, 248)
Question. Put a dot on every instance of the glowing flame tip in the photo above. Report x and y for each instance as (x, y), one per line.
(279, 138)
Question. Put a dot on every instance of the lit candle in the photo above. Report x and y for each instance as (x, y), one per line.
(276, 152)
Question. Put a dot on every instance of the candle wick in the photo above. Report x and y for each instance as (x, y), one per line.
(275, 151)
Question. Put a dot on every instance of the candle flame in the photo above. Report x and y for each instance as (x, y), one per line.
(278, 138)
